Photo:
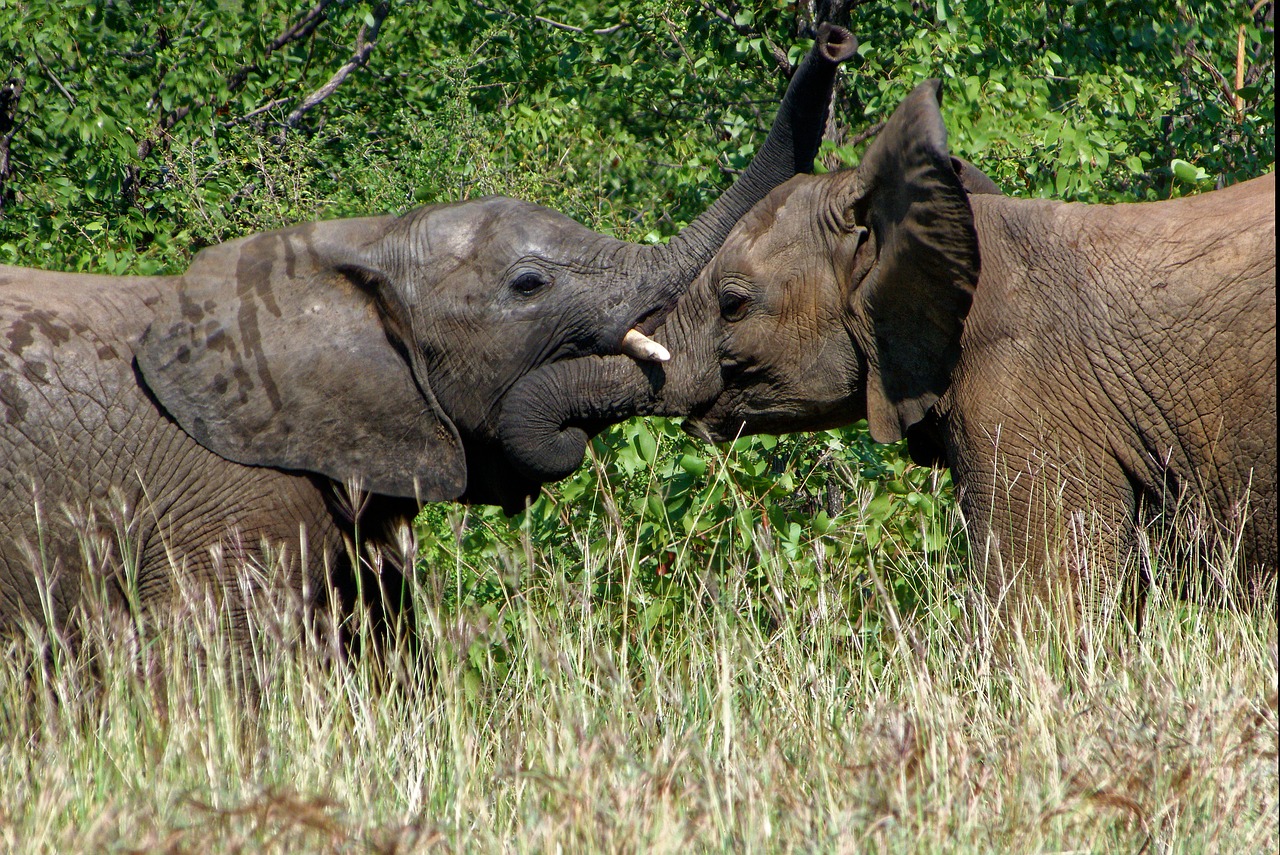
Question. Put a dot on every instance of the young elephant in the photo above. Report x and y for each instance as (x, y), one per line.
(1114, 359)
(188, 420)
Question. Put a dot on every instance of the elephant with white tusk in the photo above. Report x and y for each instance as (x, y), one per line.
(229, 407)
(1079, 367)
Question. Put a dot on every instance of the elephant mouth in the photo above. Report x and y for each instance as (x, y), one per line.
(731, 425)
(649, 322)
(699, 429)
(494, 479)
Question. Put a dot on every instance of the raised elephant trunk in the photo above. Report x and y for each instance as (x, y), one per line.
(549, 414)
(789, 149)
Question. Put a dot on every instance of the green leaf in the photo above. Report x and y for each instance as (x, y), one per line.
(692, 464)
(646, 445)
(1187, 172)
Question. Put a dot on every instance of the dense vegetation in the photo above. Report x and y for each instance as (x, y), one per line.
(132, 134)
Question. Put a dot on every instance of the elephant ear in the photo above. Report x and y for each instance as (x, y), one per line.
(974, 180)
(272, 351)
(908, 311)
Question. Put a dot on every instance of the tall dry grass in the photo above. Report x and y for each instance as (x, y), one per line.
(560, 722)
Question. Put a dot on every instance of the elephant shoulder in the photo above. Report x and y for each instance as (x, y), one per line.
(59, 314)
(66, 338)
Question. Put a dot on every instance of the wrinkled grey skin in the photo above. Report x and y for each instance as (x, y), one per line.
(190, 419)
(1122, 356)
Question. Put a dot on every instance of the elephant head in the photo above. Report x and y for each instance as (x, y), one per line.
(381, 350)
(838, 297)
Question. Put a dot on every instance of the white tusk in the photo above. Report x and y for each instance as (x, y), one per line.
(637, 345)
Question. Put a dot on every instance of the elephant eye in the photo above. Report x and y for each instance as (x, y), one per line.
(734, 301)
(529, 282)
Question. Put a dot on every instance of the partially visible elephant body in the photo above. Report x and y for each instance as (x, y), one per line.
(299, 389)
(1081, 368)
(1117, 359)
(95, 478)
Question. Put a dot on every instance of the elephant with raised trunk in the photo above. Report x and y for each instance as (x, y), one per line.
(295, 384)
(1075, 365)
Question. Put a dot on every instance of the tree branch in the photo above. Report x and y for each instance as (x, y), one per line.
(603, 31)
(366, 40)
(303, 27)
(71, 99)
(1223, 87)
(570, 28)
(10, 93)
(270, 105)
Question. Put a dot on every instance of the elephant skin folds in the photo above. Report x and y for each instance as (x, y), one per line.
(91, 468)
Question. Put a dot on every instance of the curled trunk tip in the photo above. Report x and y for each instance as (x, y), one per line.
(835, 43)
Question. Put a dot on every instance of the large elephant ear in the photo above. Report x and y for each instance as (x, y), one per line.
(272, 351)
(909, 309)
(974, 180)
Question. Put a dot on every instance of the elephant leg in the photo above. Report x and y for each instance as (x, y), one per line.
(1050, 523)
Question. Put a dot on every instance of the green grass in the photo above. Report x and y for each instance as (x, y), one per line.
(555, 719)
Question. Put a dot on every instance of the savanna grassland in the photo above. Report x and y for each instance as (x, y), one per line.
(774, 646)
(760, 714)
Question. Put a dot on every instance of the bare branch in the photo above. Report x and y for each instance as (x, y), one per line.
(779, 55)
(366, 40)
(603, 31)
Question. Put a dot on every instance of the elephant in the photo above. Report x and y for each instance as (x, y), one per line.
(296, 389)
(1074, 365)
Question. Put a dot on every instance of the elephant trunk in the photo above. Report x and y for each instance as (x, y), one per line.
(550, 414)
(788, 150)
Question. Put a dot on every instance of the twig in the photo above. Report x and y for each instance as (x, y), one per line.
(603, 31)
(1224, 86)
(56, 82)
(366, 40)
(270, 105)
(570, 28)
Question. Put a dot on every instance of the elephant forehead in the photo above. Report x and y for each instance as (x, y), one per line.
(783, 221)
(767, 248)
(494, 229)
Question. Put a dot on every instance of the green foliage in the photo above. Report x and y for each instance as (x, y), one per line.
(144, 132)
(1086, 101)
(687, 513)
